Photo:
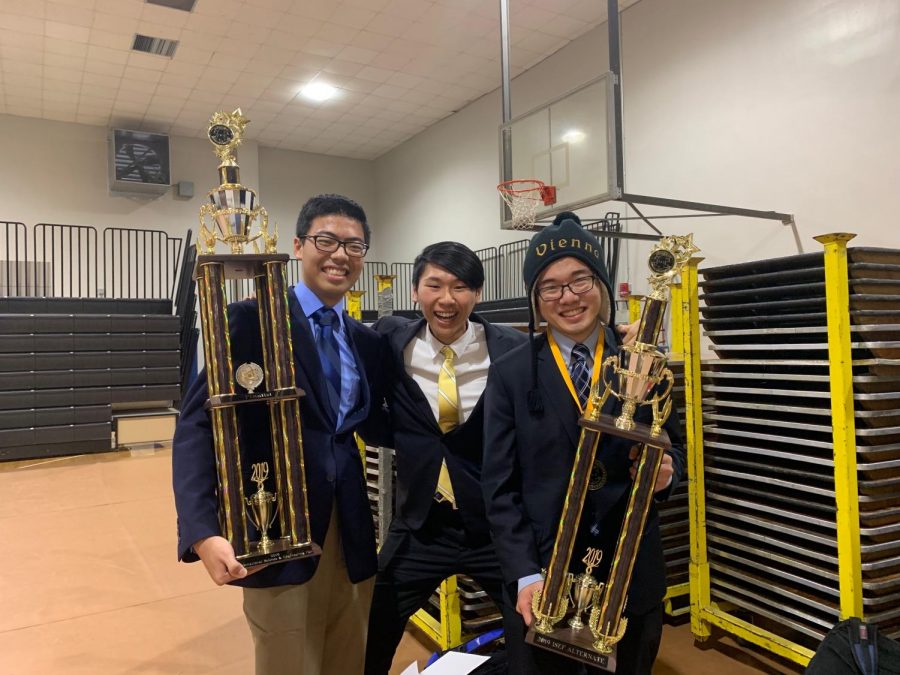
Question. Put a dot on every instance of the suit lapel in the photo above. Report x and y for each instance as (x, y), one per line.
(306, 357)
(399, 342)
(363, 401)
(556, 395)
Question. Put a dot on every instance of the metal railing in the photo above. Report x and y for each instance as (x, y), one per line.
(139, 263)
(66, 261)
(16, 271)
(402, 286)
(491, 261)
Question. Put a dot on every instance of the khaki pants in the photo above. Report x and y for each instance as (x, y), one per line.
(317, 628)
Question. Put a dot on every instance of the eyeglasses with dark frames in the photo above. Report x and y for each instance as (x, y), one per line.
(328, 244)
(578, 286)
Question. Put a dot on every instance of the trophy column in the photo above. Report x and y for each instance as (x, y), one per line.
(214, 320)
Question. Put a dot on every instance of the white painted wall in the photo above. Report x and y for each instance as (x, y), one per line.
(772, 105)
(289, 178)
(56, 172)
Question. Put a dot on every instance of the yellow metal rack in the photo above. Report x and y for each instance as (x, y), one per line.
(706, 613)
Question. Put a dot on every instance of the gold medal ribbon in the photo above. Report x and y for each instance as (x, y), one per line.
(564, 371)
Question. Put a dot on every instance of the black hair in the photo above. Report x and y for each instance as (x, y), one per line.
(456, 258)
(331, 205)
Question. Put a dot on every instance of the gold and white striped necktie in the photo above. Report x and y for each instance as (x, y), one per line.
(448, 415)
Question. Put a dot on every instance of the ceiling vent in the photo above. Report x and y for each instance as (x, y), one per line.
(183, 5)
(154, 45)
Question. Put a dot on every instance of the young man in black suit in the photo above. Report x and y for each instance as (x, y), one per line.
(308, 616)
(439, 368)
(534, 398)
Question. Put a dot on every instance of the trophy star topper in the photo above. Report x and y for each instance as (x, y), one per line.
(666, 260)
(226, 131)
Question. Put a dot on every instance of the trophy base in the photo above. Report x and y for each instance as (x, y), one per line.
(573, 644)
(280, 550)
(640, 433)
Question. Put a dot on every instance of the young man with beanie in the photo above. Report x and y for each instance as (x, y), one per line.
(439, 367)
(308, 616)
(534, 398)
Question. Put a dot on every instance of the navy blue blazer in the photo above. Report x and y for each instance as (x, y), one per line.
(527, 464)
(420, 444)
(334, 471)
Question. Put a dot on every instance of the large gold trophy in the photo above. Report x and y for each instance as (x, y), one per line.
(637, 370)
(277, 509)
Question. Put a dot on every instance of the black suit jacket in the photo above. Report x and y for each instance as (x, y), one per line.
(420, 444)
(527, 464)
(334, 472)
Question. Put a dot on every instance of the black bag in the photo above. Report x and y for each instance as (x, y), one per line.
(853, 647)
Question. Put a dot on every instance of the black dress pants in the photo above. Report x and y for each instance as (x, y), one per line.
(415, 564)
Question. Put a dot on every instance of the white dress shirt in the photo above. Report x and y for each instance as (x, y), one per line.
(423, 360)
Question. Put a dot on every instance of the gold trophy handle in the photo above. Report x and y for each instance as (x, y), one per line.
(207, 235)
(659, 396)
(609, 363)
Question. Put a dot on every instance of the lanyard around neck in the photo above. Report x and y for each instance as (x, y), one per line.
(564, 371)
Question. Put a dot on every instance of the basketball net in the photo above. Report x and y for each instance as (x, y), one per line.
(523, 196)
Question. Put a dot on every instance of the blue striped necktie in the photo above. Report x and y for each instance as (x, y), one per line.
(329, 353)
(578, 371)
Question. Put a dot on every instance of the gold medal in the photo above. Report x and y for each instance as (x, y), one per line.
(598, 476)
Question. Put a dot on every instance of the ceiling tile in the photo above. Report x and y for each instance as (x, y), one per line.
(410, 9)
(103, 38)
(136, 74)
(147, 61)
(33, 71)
(165, 16)
(34, 8)
(31, 41)
(401, 65)
(389, 24)
(321, 47)
(74, 86)
(77, 16)
(66, 48)
(370, 40)
(66, 31)
(21, 24)
(375, 74)
(129, 8)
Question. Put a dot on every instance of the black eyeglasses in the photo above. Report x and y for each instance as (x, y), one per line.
(578, 286)
(327, 244)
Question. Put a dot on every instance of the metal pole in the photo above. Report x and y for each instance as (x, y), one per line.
(504, 60)
(840, 369)
(615, 67)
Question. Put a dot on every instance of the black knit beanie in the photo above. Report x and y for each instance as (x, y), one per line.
(564, 238)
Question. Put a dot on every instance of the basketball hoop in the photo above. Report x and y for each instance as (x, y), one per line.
(523, 196)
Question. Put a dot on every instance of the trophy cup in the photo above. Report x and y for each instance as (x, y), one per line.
(636, 370)
(233, 210)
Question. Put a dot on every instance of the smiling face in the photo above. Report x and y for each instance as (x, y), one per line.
(330, 275)
(575, 316)
(446, 302)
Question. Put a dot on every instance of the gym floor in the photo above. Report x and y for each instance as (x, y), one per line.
(91, 584)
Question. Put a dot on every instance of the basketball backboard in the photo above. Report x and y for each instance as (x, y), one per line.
(569, 143)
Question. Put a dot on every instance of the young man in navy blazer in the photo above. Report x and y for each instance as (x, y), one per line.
(531, 433)
(307, 616)
(436, 531)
